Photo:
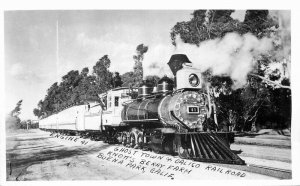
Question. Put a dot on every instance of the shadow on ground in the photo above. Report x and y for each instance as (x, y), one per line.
(20, 158)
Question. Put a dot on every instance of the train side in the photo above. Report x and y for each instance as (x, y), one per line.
(92, 117)
(74, 120)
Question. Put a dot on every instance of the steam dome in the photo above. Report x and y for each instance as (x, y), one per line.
(165, 84)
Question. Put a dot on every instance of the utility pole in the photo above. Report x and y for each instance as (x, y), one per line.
(57, 54)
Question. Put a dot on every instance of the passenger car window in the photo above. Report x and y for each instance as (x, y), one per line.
(109, 101)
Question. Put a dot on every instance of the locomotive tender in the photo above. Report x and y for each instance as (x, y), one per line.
(175, 118)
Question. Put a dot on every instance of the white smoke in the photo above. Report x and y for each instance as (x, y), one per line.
(233, 55)
(156, 59)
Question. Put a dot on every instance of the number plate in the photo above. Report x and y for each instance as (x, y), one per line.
(193, 110)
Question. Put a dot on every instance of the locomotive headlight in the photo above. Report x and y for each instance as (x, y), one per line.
(194, 80)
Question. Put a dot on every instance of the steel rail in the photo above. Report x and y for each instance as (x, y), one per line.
(270, 168)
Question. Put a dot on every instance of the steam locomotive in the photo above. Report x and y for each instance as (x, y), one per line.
(177, 118)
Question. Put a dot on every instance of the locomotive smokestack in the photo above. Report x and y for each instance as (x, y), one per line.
(176, 62)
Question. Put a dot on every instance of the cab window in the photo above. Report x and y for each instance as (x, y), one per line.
(116, 101)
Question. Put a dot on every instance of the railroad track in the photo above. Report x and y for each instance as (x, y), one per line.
(270, 168)
(261, 169)
(268, 171)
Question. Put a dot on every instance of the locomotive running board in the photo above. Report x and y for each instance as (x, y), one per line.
(206, 147)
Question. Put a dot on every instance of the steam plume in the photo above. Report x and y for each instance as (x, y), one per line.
(232, 56)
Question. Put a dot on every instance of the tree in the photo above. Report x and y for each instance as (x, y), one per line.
(117, 80)
(37, 112)
(211, 24)
(12, 120)
(76, 88)
(104, 77)
(253, 97)
(152, 80)
(127, 79)
(84, 72)
(141, 49)
(16, 111)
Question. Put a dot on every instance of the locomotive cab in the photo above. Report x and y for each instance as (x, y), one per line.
(115, 98)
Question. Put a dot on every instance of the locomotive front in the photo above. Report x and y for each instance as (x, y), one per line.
(189, 106)
(186, 108)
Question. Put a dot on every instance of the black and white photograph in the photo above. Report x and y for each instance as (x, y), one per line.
(148, 94)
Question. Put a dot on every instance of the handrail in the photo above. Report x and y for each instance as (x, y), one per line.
(184, 125)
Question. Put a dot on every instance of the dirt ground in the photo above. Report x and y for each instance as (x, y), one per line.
(39, 155)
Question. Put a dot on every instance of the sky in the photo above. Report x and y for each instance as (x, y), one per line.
(38, 52)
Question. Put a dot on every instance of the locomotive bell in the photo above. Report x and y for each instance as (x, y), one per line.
(176, 62)
(144, 89)
(165, 84)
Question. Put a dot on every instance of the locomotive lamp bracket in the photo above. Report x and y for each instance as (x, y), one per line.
(185, 89)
